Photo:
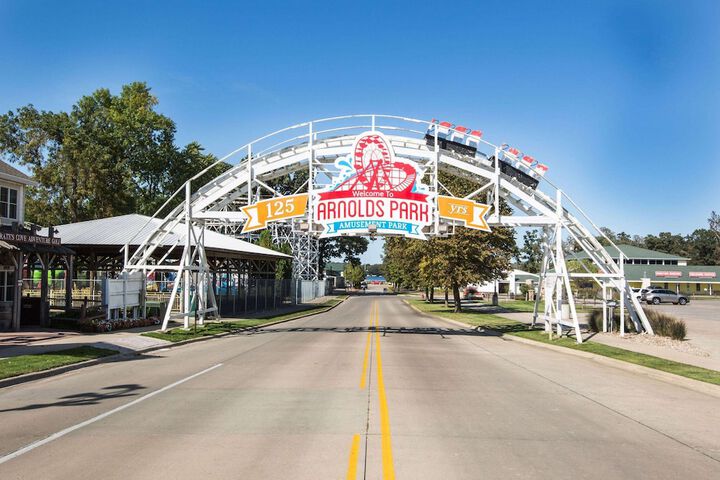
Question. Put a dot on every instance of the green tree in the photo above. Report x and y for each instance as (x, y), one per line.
(348, 249)
(354, 274)
(110, 155)
(714, 223)
(283, 268)
(607, 233)
(530, 255)
(466, 256)
(667, 242)
(471, 256)
(400, 261)
(373, 268)
(703, 247)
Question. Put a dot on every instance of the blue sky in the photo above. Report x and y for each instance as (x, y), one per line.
(619, 98)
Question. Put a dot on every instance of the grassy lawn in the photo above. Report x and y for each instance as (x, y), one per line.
(13, 366)
(521, 305)
(215, 328)
(525, 306)
(511, 327)
(486, 320)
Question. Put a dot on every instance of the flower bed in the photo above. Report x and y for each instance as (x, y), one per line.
(103, 325)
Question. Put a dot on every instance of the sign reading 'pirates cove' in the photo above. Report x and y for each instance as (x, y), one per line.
(373, 191)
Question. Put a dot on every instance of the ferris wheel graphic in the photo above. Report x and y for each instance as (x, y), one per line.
(375, 168)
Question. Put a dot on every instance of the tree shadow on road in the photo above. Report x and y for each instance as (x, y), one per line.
(86, 398)
(470, 331)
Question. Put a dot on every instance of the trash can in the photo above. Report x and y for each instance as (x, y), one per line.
(31, 311)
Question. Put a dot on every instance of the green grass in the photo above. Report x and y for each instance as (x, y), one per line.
(521, 305)
(216, 328)
(525, 306)
(14, 366)
(476, 319)
(519, 329)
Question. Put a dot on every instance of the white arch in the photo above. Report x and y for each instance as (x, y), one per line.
(314, 146)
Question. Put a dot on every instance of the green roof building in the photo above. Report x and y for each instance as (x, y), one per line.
(645, 268)
(639, 256)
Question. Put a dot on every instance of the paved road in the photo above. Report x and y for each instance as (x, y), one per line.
(326, 397)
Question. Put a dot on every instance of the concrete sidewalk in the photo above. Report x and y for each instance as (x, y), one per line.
(29, 342)
(41, 340)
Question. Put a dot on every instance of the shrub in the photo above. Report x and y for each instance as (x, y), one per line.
(595, 320)
(666, 325)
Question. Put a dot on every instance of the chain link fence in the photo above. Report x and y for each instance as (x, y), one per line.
(235, 295)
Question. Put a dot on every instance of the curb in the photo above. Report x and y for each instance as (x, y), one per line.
(689, 383)
(29, 377)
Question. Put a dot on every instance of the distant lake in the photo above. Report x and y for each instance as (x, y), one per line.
(375, 279)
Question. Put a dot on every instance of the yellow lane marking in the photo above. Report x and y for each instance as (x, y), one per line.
(354, 452)
(363, 377)
(387, 458)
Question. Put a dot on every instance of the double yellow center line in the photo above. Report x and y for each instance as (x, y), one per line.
(385, 439)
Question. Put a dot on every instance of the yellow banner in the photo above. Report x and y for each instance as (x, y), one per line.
(273, 209)
(469, 212)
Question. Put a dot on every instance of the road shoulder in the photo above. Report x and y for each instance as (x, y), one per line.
(696, 385)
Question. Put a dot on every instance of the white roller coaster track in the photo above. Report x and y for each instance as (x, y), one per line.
(314, 147)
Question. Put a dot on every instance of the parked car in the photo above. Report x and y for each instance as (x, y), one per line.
(637, 292)
(661, 295)
(645, 290)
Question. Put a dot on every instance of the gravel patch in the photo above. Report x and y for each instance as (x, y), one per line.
(680, 346)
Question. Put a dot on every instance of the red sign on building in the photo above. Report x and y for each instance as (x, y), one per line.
(668, 274)
(703, 274)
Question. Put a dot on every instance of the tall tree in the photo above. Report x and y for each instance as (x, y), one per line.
(703, 247)
(401, 261)
(348, 249)
(466, 256)
(474, 256)
(714, 223)
(667, 242)
(530, 255)
(110, 155)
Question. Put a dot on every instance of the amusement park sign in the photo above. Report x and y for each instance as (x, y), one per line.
(373, 192)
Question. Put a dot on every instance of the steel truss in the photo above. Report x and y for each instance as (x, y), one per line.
(305, 249)
(314, 147)
(304, 246)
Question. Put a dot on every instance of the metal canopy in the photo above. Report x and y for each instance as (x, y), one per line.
(313, 147)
